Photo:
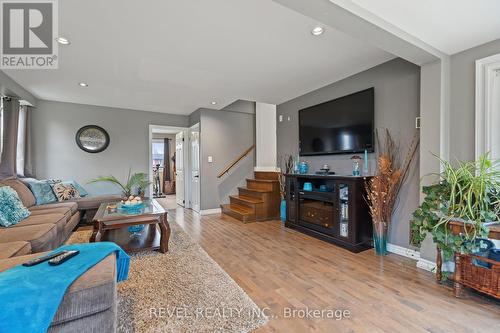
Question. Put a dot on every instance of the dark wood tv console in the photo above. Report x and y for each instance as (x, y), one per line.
(334, 210)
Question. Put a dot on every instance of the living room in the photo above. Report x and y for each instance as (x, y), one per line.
(320, 166)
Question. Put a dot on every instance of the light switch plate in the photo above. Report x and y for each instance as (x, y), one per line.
(210, 159)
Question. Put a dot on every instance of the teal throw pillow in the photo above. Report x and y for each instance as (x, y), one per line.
(41, 190)
(12, 210)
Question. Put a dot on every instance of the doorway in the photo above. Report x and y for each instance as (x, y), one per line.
(174, 166)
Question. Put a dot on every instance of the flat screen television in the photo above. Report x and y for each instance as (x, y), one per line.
(341, 126)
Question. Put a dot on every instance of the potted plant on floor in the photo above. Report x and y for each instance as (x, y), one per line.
(382, 190)
(467, 192)
(135, 184)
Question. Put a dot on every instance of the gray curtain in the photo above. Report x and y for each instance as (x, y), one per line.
(29, 169)
(166, 159)
(9, 123)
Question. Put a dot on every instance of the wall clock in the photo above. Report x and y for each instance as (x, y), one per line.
(92, 139)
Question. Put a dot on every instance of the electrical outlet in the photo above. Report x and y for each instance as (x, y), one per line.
(280, 118)
(210, 159)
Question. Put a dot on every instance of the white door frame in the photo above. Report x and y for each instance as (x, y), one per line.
(486, 68)
(191, 192)
(187, 164)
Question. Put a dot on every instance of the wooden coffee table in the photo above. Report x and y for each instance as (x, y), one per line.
(111, 225)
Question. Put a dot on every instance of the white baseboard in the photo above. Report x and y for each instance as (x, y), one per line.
(403, 251)
(409, 253)
(210, 211)
(427, 265)
(268, 169)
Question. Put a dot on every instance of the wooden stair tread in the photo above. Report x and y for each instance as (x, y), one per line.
(247, 199)
(254, 190)
(262, 180)
(243, 210)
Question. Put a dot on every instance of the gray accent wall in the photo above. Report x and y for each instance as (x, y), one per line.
(224, 135)
(397, 103)
(56, 154)
(241, 105)
(11, 88)
(462, 98)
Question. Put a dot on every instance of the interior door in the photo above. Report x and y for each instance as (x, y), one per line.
(494, 137)
(195, 168)
(179, 168)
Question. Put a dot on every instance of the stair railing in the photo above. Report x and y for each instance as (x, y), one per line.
(230, 166)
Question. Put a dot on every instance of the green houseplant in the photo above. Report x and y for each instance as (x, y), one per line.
(468, 192)
(137, 181)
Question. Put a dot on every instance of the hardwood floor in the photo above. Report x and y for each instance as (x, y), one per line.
(280, 268)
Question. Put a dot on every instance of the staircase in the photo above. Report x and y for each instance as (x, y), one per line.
(258, 201)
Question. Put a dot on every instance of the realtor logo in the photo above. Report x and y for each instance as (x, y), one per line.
(28, 33)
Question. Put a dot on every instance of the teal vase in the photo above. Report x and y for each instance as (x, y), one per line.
(283, 210)
(380, 238)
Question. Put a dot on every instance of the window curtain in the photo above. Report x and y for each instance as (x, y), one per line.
(29, 167)
(24, 167)
(9, 125)
(166, 160)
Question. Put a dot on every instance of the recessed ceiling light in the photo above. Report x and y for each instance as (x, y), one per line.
(63, 41)
(213, 103)
(317, 31)
(83, 84)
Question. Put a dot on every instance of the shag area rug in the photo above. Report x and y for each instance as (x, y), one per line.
(184, 290)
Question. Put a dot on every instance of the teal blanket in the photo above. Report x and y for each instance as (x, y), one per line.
(30, 296)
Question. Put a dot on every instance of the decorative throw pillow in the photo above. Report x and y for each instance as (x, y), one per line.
(41, 190)
(65, 192)
(81, 190)
(12, 210)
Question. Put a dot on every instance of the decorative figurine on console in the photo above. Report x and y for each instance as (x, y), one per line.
(355, 165)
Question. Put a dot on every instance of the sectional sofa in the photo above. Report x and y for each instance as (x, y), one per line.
(89, 304)
(48, 226)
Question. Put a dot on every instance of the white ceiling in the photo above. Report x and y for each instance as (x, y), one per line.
(450, 26)
(177, 56)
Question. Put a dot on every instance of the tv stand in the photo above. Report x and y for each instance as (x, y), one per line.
(335, 210)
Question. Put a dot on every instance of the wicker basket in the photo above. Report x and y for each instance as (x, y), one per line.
(485, 280)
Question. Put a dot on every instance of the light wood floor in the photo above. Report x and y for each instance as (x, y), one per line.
(280, 268)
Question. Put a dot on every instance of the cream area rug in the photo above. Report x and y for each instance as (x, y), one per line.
(184, 290)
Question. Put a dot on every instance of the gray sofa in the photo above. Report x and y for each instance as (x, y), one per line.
(89, 304)
(48, 226)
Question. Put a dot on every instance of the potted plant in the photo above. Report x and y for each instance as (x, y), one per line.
(467, 192)
(383, 188)
(135, 184)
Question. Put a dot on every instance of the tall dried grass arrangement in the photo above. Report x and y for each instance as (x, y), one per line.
(383, 189)
(286, 166)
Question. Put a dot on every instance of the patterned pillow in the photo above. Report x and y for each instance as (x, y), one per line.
(83, 192)
(12, 210)
(41, 190)
(65, 192)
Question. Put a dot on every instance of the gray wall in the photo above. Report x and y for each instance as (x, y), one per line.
(224, 135)
(56, 154)
(194, 118)
(10, 88)
(397, 103)
(462, 98)
(241, 105)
